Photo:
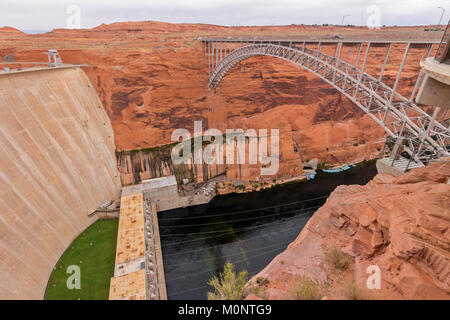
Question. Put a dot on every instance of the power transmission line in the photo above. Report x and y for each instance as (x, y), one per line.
(216, 246)
(245, 211)
(246, 219)
(237, 261)
(215, 231)
(211, 237)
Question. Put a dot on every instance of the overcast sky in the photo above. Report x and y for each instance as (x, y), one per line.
(50, 14)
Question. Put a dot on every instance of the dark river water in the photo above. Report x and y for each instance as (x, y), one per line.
(248, 230)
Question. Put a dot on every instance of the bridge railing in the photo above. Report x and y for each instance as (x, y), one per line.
(443, 51)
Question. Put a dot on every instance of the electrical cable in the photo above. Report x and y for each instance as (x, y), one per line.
(237, 261)
(239, 229)
(210, 247)
(245, 211)
(236, 220)
(211, 237)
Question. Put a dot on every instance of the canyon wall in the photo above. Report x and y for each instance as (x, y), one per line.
(57, 166)
(399, 225)
(137, 165)
(152, 79)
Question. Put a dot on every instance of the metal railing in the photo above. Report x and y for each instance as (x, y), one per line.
(443, 51)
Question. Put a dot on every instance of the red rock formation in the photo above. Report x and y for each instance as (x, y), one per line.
(401, 225)
(9, 30)
(152, 79)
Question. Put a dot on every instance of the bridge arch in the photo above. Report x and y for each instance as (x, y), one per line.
(421, 135)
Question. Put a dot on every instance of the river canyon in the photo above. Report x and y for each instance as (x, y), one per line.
(151, 78)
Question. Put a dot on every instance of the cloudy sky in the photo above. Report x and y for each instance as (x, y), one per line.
(48, 14)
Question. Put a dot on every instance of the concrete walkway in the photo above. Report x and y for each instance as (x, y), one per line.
(139, 270)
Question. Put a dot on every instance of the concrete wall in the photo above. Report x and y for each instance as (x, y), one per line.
(57, 165)
(182, 202)
(385, 168)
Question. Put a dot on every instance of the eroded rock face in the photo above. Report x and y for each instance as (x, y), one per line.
(401, 225)
(152, 79)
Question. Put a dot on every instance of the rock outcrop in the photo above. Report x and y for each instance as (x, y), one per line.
(400, 225)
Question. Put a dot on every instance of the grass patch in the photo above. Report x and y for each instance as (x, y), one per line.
(94, 252)
(306, 289)
(229, 285)
(336, 258)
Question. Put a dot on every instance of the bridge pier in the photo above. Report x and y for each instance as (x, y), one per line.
(396, 164)
(435, 87)
(384, 167)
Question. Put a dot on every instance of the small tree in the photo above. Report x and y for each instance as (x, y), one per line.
(228, 286)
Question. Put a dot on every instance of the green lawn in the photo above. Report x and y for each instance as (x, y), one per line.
(94, 252)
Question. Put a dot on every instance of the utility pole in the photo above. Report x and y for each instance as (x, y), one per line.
(343, 17)
(442, 15)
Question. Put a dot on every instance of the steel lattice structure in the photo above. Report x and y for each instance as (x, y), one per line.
(420, 135)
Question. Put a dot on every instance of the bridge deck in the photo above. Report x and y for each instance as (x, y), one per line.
(311, 40)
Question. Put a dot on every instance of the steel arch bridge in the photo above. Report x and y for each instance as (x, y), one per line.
(413, 130)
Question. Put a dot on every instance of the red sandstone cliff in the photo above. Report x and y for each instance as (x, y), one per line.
(152, 79)
(401, 225)
(10, 30)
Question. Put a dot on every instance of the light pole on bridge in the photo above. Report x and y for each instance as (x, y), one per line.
(343, 17)
(442, 15)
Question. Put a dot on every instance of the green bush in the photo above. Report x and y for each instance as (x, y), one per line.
(229, 285)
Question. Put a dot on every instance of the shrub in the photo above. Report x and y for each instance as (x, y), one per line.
(337, 258)
(306, 289)
(353, 291)
(323, 165)
(258, 287)
(229, 285)
(262, 281)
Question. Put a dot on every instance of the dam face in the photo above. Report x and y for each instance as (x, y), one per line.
(57, 166)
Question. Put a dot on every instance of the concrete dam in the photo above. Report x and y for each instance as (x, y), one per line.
(58, 166)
